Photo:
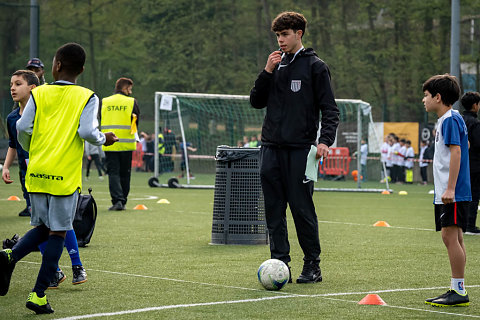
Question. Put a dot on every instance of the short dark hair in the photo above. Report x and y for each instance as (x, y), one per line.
(28, 76)
(469, 99)
(403, 141)
(72, 56)
(122, 83)
(444, 84)
(408, 142)
(289, 20)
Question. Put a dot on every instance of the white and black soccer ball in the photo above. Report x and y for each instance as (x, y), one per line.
(273, 274)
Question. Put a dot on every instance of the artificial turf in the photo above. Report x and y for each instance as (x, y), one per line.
(161, 257)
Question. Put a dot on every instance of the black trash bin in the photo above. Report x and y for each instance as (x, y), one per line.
(238, 206)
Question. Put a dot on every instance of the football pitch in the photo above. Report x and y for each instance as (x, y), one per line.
(158, 264)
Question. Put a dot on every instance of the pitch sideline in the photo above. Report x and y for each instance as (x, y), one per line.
(282, 295)
(203, 304)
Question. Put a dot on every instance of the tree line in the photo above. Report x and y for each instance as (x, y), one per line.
(380, 51)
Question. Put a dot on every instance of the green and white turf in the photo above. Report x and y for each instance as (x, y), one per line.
(158, 264)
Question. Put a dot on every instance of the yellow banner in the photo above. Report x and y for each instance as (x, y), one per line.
(404, 130)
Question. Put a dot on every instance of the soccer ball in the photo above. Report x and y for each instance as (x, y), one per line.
(273, 274)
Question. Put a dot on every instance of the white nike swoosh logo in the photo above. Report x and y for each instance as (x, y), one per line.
(306, 181)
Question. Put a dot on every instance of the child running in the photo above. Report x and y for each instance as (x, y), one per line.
(55, 122)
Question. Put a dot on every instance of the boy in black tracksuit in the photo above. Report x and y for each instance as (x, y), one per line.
(471, 103)
(295, 87)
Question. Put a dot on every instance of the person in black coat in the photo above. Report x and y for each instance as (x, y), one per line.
(471, 102)
(294, 87)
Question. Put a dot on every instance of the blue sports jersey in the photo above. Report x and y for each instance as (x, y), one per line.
(12, 138)
(451, 130)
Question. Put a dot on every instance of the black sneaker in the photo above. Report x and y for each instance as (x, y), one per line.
(451, 299)
(117, 207)
(9, 243)
(38, 305)
(58, 278)
(25, 213)
(473, 231)
(311, 273)
(79, 275)
(6, 269)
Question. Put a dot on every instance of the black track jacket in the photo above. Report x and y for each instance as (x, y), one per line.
(473, 129)
(294, 96)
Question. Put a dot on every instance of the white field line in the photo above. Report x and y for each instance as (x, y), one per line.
(168, 279)
(202, 304)
(414, 309)
(282, 295)
(174, 306)
(259, 290)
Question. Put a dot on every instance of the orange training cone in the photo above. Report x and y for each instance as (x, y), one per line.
(372, 299)
(385, 192)
(381, 224)
(140, 207)
(13, 198)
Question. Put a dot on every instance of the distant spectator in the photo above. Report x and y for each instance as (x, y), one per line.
(246, 142)
(183, 164)
(253, 142)
(421, 161)
(240, 144)
(384, 158)
(93, 154)
(36, 65)
(259, 140)
(395, 159)
(363, 159)
(148, 148)
(409, 156)
(170, 145)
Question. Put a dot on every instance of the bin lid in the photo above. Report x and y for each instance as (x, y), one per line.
(226, 153)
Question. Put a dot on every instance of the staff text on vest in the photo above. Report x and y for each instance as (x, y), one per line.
(116, 108)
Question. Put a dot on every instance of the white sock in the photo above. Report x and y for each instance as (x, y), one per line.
(458, 284)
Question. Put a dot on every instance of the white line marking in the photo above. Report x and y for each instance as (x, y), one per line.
(175, 306)
(261, 290)
(168, 279)
(371, 225)
(283, 295)
(413, 309)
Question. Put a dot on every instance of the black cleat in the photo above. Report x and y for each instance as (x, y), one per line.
(79, 275)
(429, 300)
(451, 299)
(25, 212)
(117, 207)
(38, 305)
(6, 269)
(57, 279)
(311, 273)
(9, 243)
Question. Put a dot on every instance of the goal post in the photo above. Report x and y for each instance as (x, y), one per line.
(203, 122)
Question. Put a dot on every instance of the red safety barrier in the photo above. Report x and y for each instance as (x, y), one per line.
(337, 163)
(137, 157)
